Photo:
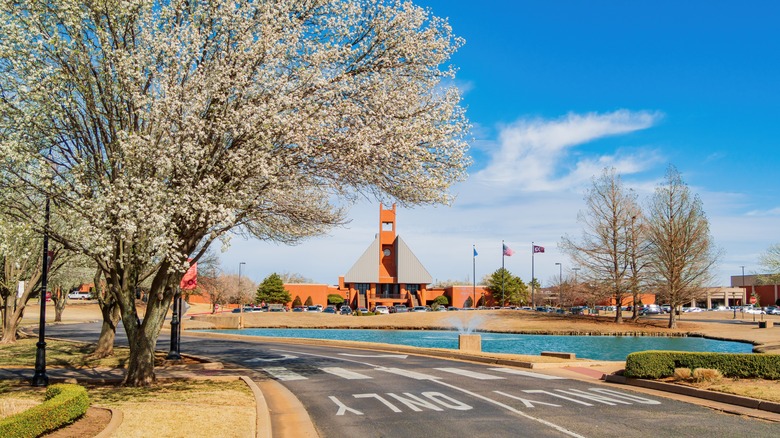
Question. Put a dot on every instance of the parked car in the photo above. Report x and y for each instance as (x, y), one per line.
(452, 309)
(773, 310)
(345, 310)
(419, 309)
(651, 309)
(401, 309)
(754, 311)
(299, 309)
(381, 310)
(314, 309)
(330, 310)
(362, 310)
(78, 295)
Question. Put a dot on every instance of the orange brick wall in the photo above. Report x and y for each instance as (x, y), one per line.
(318, 292)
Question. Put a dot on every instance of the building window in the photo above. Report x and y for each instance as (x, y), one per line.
(362, 288)
(412, 288)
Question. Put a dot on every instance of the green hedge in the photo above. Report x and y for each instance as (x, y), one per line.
(660, 364)
(64, 404)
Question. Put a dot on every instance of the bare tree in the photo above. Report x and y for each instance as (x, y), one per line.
(604, 250)
(681, 249)
(294, 278)
(770, 263)
(233, 291)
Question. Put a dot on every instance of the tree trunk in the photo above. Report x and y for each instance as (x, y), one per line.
(673, 318)
(618, 309)
(105, 343)
(140, 366)
(143, 335)
(59, 298)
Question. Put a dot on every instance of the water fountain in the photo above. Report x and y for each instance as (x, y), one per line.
(467, 339)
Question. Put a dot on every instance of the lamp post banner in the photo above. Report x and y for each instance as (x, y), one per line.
(190, 279)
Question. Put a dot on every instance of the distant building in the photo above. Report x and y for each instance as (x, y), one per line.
(388, 273)
(766, 294)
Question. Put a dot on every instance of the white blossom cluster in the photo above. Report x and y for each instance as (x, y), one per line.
(158, 126)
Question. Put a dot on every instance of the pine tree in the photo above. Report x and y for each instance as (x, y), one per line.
(272, 290)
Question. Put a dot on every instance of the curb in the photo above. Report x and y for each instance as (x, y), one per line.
(116, 420)
(720, 397)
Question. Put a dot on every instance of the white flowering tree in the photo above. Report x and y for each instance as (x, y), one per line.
(159, 127)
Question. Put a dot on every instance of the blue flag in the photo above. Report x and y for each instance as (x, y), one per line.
(475, 252)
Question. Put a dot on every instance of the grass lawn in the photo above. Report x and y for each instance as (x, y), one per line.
(193, 408)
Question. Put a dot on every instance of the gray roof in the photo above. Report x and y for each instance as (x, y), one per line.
(410, 270)
(366, 269)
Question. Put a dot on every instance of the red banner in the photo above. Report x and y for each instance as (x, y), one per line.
(190, 279)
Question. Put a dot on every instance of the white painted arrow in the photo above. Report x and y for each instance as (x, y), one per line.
(273, 359)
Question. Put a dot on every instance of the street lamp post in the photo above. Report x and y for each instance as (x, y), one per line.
(240, 295)
(40, 378)
(173, 351)
(560, 283)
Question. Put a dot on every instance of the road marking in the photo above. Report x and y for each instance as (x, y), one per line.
(282, 373)
(407, 373)
(343, 408)
(273, 359)
(412, 402)
(595, 397)
(561, 429)
(470, 374)
(526, 402)
(381, 399)
(527, 374)
(632, 397)
(344, 373)
(394, 356)
(541, 391)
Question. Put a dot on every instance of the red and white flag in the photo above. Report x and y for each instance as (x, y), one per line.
(507, 250)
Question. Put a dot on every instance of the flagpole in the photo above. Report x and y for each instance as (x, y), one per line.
(503, 253)
(532, 276)
(474, 273)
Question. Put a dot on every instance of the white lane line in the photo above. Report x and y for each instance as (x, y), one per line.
(470, 374)
(407, 373)
(527, 374)
(395, 356)
(344, 373)
(282, 373)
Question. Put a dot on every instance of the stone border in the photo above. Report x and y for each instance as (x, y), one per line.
(721, 397)
(116, 420)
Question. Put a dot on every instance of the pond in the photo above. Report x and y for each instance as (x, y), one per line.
(588, 347)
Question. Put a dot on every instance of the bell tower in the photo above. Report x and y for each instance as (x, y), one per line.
(388, 265)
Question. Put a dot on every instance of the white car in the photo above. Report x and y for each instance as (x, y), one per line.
(755, 311)
(692, 309)
(78, 295)
(382, 310)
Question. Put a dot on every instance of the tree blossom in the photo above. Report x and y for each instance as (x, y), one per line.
(158, 127)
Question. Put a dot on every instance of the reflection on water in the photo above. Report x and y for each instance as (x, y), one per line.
(589, 347)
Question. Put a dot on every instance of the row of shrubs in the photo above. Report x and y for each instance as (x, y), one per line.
(661, 364)
(64, 403)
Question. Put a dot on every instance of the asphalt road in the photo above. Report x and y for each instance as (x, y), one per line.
(360, 393)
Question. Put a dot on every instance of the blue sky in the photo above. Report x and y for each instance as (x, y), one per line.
(557, 90)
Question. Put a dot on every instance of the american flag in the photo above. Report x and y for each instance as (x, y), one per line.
(508, 251)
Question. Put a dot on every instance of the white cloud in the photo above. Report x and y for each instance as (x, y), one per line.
(495, 204)
(530, 153)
